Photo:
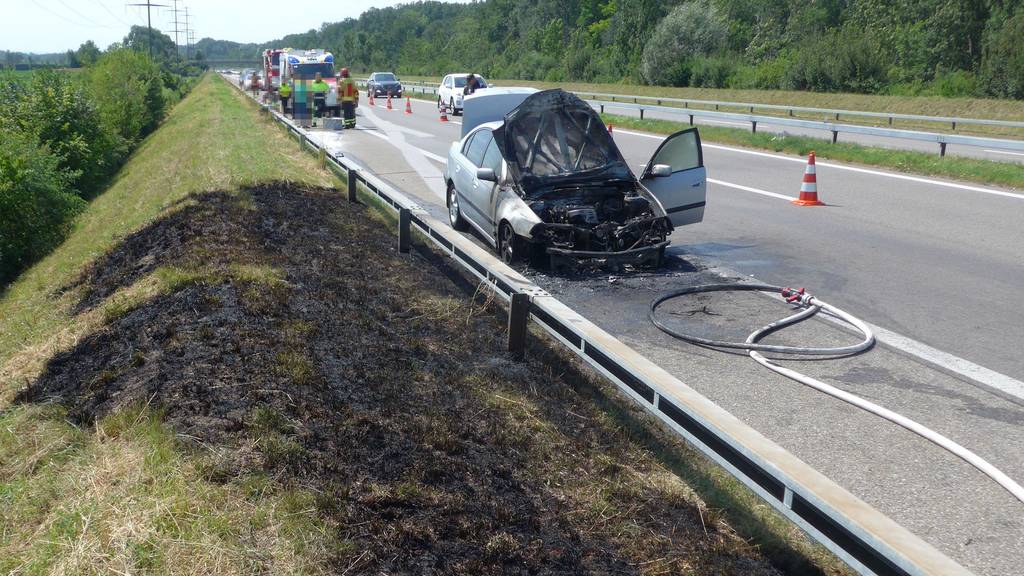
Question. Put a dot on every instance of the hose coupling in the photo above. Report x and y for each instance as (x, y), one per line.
(797, 296)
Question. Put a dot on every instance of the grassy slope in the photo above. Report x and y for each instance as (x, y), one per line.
(121, 497)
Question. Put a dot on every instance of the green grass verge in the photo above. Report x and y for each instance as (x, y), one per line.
(919, 163)
(124, 497)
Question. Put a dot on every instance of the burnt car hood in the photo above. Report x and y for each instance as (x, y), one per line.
(555, 138)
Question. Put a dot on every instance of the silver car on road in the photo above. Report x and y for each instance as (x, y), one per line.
(539, 177)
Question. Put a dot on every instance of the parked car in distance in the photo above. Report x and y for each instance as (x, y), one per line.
(449, 93)
(539, 177)
(382, 84)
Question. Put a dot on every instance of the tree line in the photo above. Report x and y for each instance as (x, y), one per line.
(64, 136)
(941, 47)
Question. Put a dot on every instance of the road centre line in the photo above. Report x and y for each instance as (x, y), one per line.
(966, 187)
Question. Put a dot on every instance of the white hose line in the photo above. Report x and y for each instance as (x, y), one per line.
(966, 455)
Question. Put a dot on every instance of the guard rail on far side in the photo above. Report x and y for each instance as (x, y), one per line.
(623, 102)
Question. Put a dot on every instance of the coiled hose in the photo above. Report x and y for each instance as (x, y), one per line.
(810, 306)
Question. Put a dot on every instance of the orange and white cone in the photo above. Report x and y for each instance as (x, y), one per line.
(610, 128)
(809, 188)
(389, 101)
(408, 104)
(444, 113)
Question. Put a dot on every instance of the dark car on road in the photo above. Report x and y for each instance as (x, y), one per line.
(382, 84)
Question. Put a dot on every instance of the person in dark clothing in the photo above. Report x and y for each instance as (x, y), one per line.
(471, 85)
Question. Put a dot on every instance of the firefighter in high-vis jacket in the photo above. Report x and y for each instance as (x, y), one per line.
(349, 96)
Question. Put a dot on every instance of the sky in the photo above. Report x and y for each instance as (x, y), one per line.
(44, 26)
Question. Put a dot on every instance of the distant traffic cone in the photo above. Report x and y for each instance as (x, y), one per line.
(444, 114)
(408, 104)
(389, 101)
(809, 188)
(610, 128)
(371, 98)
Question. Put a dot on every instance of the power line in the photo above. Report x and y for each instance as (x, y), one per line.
(83, 16)
(66, 19)
(114, 16)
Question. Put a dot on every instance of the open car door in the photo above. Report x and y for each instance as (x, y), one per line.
(677, 178)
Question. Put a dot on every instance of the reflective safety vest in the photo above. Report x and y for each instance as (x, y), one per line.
(347, 89)
(320, 88)
(285, 91)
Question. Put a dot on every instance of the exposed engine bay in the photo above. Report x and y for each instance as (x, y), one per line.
(597, 218)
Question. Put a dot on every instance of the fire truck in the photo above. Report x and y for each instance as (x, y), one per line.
(272, 69)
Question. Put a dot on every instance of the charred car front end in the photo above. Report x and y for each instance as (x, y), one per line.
(548, 179)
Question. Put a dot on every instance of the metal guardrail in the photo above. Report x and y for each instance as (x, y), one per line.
(864, 538)
(834, 128)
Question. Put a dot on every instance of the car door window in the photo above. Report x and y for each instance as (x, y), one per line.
(492, 158)
(448, 81)
(477, 146)
(681, 151)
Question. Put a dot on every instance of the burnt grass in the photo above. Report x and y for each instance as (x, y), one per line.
(333, 367)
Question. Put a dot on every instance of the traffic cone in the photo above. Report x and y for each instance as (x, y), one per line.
(389, 101)
(809, 188)
(444, 114)
(408, 104)
(610, 127)
(371, 98)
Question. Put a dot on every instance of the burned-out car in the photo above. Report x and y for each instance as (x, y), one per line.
(540, 177)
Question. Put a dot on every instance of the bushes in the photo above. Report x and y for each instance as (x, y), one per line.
(63, 136)
(844, 60)
(128, 90)
(53, 108)
(35, 207)
(1002, 66)
(689, 32)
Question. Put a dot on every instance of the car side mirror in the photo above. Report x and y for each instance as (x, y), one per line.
(661, 170)
(486, 174)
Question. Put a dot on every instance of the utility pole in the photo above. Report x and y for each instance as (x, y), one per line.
(177, 28)
(188, 37)
(149, 21)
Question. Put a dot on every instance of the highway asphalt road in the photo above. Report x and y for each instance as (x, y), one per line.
(1011, 156)
(936, 265)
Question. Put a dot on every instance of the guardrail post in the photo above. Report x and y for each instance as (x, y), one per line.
(691, 119)
(890, 120)
(954, 125)
(352, 184)
(837, 116)
(753, 127)
(751, 109)
(641, 113)
(942, 149)
(790, 112)
(518, 315)
(602, 108)
(404, 233)
(716, 106)
(835, 136)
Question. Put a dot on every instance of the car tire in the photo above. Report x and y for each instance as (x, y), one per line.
(439, 104)
(451, 106)
(510, 246)
(454, 211)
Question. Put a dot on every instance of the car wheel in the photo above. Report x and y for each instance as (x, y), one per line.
(509, 247)
(451, 106)
(439, 104)
(454, 212)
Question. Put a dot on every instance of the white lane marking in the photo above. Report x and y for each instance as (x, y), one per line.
(749, 189)
(412, 154)
(967, 187)
(427, 153)
(1004, 152)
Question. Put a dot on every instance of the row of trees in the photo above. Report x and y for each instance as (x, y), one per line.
(64, 135)
(952, 47)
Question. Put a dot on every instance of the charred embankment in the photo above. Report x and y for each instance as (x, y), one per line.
(290, 338)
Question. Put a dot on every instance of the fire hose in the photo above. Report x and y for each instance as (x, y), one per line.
(809, 306)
